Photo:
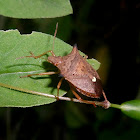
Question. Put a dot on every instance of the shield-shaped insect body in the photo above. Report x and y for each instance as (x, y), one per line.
(79, 73)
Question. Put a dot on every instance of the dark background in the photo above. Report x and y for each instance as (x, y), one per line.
(108, 31)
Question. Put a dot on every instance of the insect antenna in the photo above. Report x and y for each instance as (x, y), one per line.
(55, 36)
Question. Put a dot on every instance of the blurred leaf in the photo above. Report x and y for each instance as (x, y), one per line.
(74, 117)
(64, 24)
(131, 109)
(14, 45)
(35, 8)
(103, 55)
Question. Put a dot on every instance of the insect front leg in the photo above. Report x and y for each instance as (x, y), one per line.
(32, 55)
(38, 56)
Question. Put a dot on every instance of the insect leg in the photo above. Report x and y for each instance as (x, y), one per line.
(44, 73)
(75, 94)
(105, 96)
(32, 55)
(58, 85)
(79, 98)
(38, 56)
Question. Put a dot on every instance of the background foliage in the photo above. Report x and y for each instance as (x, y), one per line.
(35, 8)
(107, 31)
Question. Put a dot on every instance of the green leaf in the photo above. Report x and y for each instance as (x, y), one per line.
(131, 109)
(12, 46)
(35, 8)
(94, 63)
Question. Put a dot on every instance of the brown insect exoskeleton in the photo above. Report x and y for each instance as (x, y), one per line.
(77, 71)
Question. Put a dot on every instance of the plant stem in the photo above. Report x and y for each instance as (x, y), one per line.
(115, 106)
(106, 104)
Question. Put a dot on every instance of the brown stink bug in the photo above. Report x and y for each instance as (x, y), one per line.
(80, 75)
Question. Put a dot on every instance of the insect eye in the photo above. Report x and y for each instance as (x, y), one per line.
(94, 79)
